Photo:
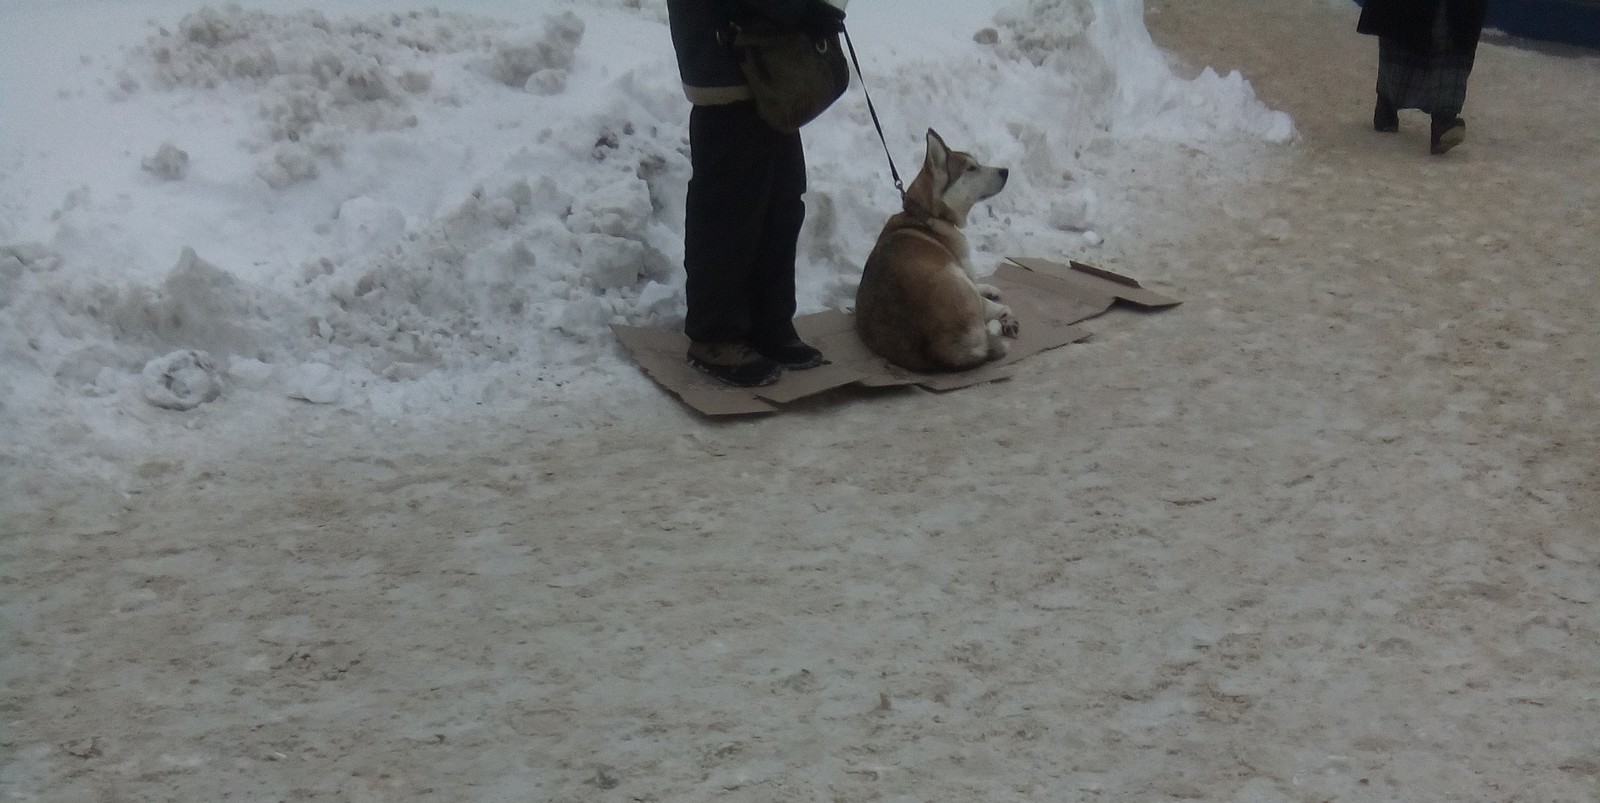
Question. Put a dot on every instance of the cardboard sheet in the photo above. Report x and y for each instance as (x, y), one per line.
(1049, 299)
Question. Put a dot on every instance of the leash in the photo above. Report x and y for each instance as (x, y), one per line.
(898, 184)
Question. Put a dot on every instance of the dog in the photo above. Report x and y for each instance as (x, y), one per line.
(920, 305)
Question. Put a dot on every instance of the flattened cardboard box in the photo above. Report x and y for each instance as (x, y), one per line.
(1049, 300)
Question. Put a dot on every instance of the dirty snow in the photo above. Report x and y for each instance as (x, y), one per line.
(1326, 531)
(450, 209)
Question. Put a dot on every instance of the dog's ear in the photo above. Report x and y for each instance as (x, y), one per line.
(937, 159)
(936, 147)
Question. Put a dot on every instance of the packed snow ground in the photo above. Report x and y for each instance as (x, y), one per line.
(1325, 532)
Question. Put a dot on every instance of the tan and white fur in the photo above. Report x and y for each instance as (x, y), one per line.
(920, 304)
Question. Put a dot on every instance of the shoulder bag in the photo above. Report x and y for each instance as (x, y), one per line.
(794, 74)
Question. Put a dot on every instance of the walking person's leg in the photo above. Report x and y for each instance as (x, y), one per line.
(1385, 117)
(1400, 70)
(1449, 68)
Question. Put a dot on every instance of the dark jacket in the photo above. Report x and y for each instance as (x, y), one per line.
(710, 74)
(1410, 22)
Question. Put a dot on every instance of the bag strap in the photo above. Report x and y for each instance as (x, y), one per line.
(898, 184)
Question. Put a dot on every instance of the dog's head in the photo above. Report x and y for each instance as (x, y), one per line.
(951, 182)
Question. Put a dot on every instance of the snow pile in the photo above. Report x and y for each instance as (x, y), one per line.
(317, 79)
(416, 208)
(523, 258)
(1107, 75)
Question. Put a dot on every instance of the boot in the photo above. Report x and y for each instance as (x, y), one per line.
(1449, 131)
(794, 355)
(1385, 117)
(734, 364)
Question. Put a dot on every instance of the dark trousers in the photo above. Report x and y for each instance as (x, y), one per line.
(742, 226)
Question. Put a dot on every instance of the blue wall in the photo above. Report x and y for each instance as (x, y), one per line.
(1573, 22)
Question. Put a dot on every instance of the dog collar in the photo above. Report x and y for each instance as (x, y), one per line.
(916, 210)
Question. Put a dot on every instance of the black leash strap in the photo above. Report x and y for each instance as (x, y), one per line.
(898, 185)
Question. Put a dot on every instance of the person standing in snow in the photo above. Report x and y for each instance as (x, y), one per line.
(744, 206)
(1425, 53)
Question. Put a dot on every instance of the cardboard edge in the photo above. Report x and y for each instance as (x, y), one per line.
(1096, 270)
(1093, 300)
(993, 372)
(810, 382)
(1098, 280)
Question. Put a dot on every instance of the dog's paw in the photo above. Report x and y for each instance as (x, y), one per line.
(1009, 325)
(989, 291)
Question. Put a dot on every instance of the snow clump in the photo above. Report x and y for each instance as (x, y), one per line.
(169, 163)
(182, 380)
(540, 63)
(319, 79)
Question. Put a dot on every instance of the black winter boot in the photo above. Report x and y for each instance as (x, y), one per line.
(1448, 132)
(734, 364)
(795, 355)
(1385, 117)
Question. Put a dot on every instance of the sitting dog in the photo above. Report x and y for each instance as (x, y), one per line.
(919, 304)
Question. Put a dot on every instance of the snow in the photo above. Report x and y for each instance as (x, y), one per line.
(1325, 531)
(423, 209)
(182, 380)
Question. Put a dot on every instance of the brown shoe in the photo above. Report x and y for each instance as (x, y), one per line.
(734, 364)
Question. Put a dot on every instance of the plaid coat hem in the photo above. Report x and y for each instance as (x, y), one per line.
(1433, 80)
